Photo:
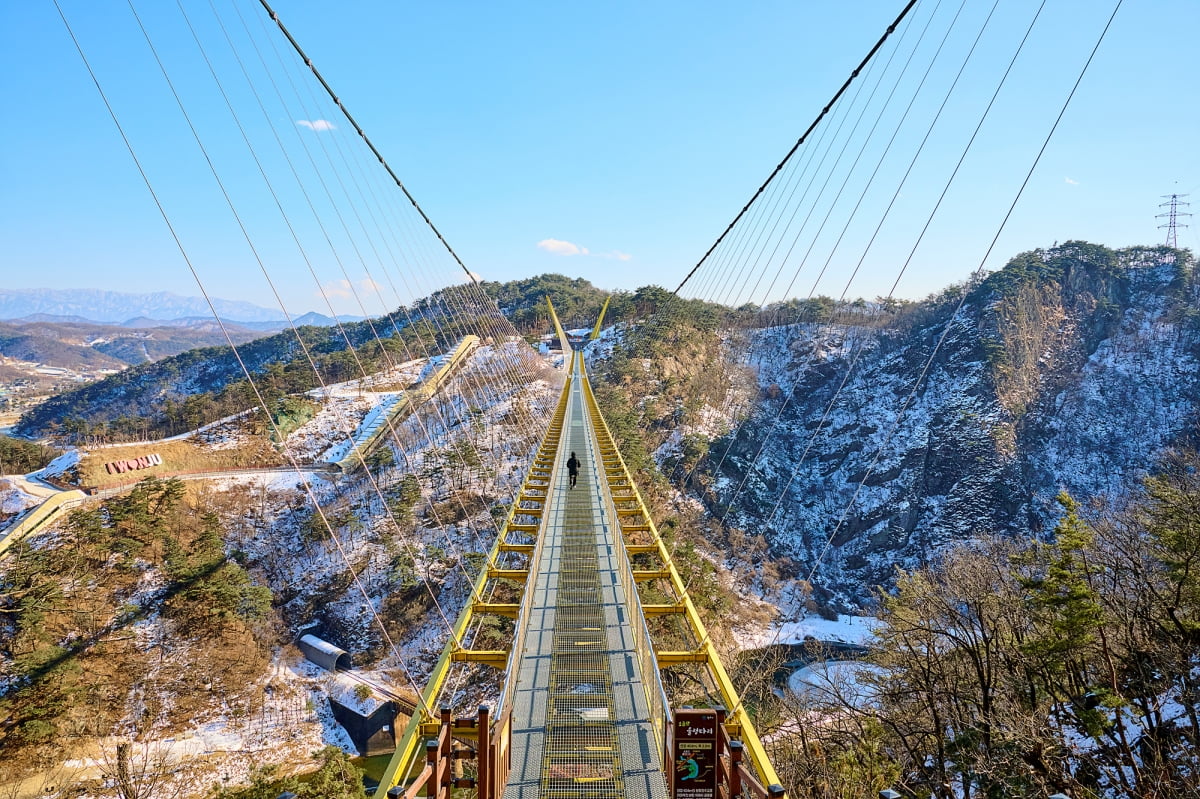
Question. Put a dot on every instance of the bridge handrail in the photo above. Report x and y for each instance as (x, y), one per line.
(740, 718)
(408, 748)
(656, 693)
(436, 778)
(503, 706)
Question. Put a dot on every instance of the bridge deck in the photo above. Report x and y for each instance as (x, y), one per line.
(580, 724)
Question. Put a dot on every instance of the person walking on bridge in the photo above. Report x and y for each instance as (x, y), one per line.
(573, 468)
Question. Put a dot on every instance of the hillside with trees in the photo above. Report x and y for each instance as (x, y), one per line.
(1003, 475)
(1024, 667)
(875, 443)
(193, 388)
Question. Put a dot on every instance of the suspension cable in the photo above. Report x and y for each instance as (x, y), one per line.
(927, 365)
(346, 112)
(854, 74)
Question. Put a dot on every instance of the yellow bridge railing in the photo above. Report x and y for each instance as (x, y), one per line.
(524, 519)
(641, 537)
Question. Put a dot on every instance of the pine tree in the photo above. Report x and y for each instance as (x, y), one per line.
(1064, 608)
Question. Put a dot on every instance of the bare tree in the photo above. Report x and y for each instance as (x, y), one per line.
(139, 771)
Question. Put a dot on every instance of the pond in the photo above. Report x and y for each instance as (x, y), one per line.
(373, 768)
(834, 681)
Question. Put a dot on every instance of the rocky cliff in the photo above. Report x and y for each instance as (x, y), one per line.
(876, 445)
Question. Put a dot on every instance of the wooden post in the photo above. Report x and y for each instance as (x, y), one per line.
(431, 760)
(736, 753)
(483, 753)
(446, 752)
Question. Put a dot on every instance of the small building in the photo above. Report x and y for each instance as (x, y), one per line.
(369, 720)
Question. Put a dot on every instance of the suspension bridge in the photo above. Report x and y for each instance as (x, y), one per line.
(586, 582)
(583, 712)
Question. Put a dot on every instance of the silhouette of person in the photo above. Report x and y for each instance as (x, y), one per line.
(573, 468)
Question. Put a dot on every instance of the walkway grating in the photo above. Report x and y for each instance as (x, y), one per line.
(581, 727)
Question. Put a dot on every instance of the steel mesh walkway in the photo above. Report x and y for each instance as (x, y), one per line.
(580, 715)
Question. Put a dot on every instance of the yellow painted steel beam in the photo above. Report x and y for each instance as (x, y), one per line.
(511, 610)
(663, 610)
(600, 318)
(679, 658)
(645, 575)
(489, 657)
(558, 328)
(498, 608)
(521, 549)
(410, 748)
(518, 575)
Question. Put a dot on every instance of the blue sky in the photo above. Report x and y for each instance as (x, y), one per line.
(621, 137)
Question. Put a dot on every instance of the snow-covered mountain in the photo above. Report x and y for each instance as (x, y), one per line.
(115, 307)
(1072, 369)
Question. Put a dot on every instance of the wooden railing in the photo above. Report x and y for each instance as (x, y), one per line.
(452, 743)
(736, 777)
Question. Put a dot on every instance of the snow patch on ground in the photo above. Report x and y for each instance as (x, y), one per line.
(838, 681)
(331, 428)
(13, 500)
(848, 629)
(60, 465)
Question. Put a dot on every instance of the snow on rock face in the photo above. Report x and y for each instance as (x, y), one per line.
(860, 472)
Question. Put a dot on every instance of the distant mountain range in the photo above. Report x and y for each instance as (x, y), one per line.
(158, 309)
(89, 346)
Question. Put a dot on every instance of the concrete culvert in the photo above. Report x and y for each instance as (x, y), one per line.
(325, 654)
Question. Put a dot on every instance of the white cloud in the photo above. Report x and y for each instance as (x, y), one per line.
(343, 289)
(1072, 182)
(316, 124)
(339, 289)
(558, 247)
